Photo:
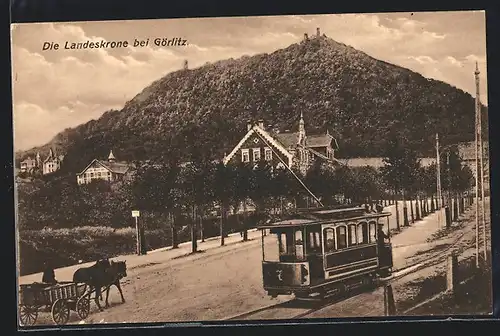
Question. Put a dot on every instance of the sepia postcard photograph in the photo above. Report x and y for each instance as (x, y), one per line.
(251, 168)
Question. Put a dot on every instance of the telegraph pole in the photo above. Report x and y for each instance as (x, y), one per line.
(476, 73)
(450, 208)
(438, 181)
(481, 155)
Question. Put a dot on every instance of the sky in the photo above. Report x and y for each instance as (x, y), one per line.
(57, 89)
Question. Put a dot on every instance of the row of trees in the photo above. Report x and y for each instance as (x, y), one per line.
(189, 194)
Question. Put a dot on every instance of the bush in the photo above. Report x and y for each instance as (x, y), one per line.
(64, 247)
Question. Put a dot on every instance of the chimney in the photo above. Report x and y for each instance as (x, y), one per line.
(185, 64)
(305, 36)
(249, 125)
(261, 123)
(317, 32)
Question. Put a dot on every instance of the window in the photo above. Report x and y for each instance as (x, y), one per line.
(299, 247)
(329, 237)
(341, 237)
(245, 157)
(298, 237)
(363, 233)
(268, 154)
(373, 232)
(256, 154)
(282, 243)
(352, 235)
(314, 241)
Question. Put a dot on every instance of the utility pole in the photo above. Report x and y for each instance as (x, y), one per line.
(438, 182)
(481, 155)
(449, 217)
(477, 125)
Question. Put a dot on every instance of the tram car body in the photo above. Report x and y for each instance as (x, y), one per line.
(324, 251)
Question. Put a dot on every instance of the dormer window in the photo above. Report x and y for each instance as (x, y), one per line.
(245, 156)
(256, 154)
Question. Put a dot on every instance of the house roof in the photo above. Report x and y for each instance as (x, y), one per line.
(290, 140)
(28, 159)
(377, 162)
(319, 140)
(114, 167)
(467, 150)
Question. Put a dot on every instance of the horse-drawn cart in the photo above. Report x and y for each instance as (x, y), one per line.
(61, 298)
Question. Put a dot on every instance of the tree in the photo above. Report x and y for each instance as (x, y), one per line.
(260, 191)
(221, 186)
(401, 166)
(241, 185)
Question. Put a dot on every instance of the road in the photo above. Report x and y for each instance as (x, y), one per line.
(216, 284)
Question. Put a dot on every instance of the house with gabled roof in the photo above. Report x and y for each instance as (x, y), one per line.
(52, 162)
(108, 170)
(295, 150)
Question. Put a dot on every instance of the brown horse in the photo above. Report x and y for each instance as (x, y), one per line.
(116, 272)
(95, 277)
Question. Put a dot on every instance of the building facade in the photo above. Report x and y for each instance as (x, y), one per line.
(467, 152)
(28, 165)
(108, 170)
(51, 163)
(295, 150)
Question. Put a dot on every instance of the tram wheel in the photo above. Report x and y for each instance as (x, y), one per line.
(28, 315)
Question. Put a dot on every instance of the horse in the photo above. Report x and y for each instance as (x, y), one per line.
(116, 272)
(95, 277)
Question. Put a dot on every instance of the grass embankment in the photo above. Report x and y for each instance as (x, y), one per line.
(472, 294)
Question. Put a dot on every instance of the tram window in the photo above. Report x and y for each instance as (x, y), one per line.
(373, 231)
(298, 237)
(314, 241)
(352, 235)
(282, 243)
(329, 236)
(299, 247)
(362, 233)
(341, 237)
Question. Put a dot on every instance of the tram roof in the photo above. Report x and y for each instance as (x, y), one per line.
(325, 217)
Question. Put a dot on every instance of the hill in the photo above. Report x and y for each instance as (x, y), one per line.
(204, 111)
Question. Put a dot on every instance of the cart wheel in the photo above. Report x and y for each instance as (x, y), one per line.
(83, 306)
(60, 312)
(28, 315)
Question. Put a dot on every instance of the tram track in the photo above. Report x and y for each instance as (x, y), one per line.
(292, 309)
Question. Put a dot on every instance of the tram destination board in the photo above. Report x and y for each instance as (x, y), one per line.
(240, 169)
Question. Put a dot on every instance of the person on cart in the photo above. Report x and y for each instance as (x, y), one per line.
(49, 276)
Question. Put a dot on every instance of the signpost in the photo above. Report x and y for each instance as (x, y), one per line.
(136, 214)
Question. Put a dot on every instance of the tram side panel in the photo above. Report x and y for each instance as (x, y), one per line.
(285, 276)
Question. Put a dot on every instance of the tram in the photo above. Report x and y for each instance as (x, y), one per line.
(319, 252)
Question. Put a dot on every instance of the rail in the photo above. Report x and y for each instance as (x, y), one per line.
(434, 259)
